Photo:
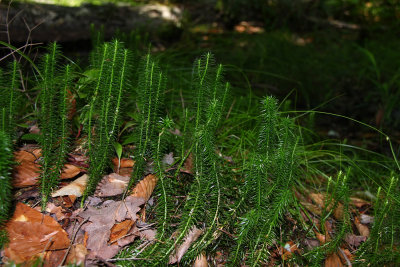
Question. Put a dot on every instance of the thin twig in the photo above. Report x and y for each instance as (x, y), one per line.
(72, 240)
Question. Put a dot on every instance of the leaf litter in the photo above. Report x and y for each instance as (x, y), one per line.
(98, 232)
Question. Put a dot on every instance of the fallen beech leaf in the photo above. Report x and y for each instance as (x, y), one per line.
(322, 238)
(70, 171)
(312, 243)
(31, 233)
(51, 258)
(168, 159)
(26, 171)
(77, 187)
(145, 187)
(362, 229)
(319, 199)
(358, 202)
(333, 260)
(355, 240)
(112, 185)
(102, 219)
(190, 237)
(312, 208)
(125, 163)
(68, 201)
(56, 210)
(201, 261)
(78, 160)
(119, 230)
(366, 219)
(77, 255)
(287, 251)
(188, 165)
(125, 172)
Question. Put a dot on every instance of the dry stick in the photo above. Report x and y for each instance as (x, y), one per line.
(72, 240)
(13, 51)
(230, 109)
(345, 257)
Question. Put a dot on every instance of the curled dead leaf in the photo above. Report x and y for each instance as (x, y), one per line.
(287, 251)
(190, 237)
(125, 163)
(333, 260)
(26, 171)
(322, 238)
(77, 187)
(112, 185)
(119, 230)
(70, 171)
(31, 233)
(77, 255)
(312, 208)
(145, 187)
(355, 240)
(201, 261)
(362, 229)
(319, 199)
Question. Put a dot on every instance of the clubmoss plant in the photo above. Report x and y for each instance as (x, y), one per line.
(112, 63)
(384, 235)
(150, 90)
(8, 101)
(5, 183)
(203, 202)
(268, 185)
(53, 122)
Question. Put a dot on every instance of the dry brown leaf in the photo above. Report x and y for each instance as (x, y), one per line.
(319, 199)
(100, 222)
(119, 230)
(51, 258)
(56, 210)
(362, 229)
(112, 185)
(77, 187)
(68, 201)
(78, 159)
(312, 208)
(188, 165)
(322, 238)
(333, 260)
(77, 255)
(358, 202)
(145, 187)
(125, 163)
(31, 233)
(248, 27)
(26, 171)
(355, 240)
(287, 251)
(201, 261)
(190, 237)
(366, 219)
(70, 171)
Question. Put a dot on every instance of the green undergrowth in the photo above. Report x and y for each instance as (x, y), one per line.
(239, 162)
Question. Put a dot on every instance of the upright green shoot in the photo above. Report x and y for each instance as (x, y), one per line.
(112, 63)
(53, 122)
(5, 183)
